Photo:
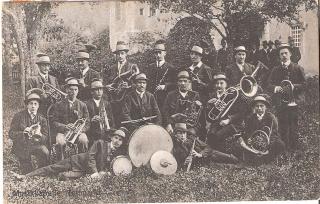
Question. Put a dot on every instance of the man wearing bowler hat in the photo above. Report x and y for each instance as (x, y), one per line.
(65, 114)
(261, 119)
(239, 68)
(84, 74)
(28, 141)
(161, 74)
(100, 112)
(200, 73)
(140, 104)
(287, 109)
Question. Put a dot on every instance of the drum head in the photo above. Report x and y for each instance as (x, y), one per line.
(121, 165)
(147, 140)
(164, 163)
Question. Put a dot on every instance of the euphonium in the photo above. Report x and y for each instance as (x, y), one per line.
(75, 130)
(287, 96)
(52, 91)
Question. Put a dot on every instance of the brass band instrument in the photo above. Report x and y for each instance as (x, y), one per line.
(287, 96)
(34, 132)
(53, 92)
(259, 140)
(75, 130)
(192, 110)
(104, 123)
(248, 87)
(161, 80)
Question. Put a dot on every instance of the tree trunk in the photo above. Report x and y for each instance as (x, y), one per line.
(6, 65)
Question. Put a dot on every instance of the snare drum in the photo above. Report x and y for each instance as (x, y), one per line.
(163, 162)
(147, 140)
(121, 165)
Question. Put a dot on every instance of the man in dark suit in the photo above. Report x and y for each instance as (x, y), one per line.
(176, 100)
(43, 63)
(209, 55)
(239, 68)
(252, 55)
(117, 79)
(296, 55)
(200, 73)
(100, 112)
(263, 53)
(223, 56)
(161, 74)
(140, 104)
(274, 55)
(65, 114)
(287, 110)
(20, 128)
(84, 74)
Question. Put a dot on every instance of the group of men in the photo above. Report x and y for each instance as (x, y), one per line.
(115, 102)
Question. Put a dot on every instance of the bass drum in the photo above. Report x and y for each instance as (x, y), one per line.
(121, 165)
(147, 140)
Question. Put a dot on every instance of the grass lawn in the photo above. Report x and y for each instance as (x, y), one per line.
(293, 178)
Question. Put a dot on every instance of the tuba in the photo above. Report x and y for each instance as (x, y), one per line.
(53, 92)
(192, 111)
(246, 89)
(287, 96)
(75, 130)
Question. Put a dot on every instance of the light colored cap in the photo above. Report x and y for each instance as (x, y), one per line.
(120, 133)
(159, 47)
(240, 49)
(141, 76)
(43, 59)
(72, 81)
(121, 46)
(82, 55)
(163, 162)
(220, 76)
(97, 84)
(33, 94)
(183, 74)
(197, 49)
(284, 46)
(181, 127)
(261, 99)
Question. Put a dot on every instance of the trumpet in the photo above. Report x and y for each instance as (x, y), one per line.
(75, 130)
(53, 92)
(287, 96)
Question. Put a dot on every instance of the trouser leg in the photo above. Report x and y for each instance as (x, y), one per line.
(25, 164)
(53, 169)
(83, 143)
(60, 146)
(42, 155)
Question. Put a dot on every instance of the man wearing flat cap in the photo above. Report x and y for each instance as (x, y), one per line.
(84, 74)
(200, 73)
(139, 104)
(118, 77)
(161, 74)
(100, 112)
(95, 162)
(239, 68)
(43, 76)
(65, 114)
(177, 100)
(29, 138)
(261, 148)
(287, 109)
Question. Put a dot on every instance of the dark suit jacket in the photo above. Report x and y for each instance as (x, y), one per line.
(167, 74)
(222, 59)
(263, 57)
(37, 82)
(205, 74)
(136, 108)
(94, 131)
(63, 115)
(234, 74)
(110, 73)
(295, 74)
(296, 55)
(252, 57)
(19, 123)
(84, 92)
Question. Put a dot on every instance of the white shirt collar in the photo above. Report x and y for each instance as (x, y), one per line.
(140, 93)
(198, 65)
(219, 94)
(183, 93)
(287, 63)
(260, 116)
(85, 71)
(160, 63)
(32, 115)
(97, 102)
(241, 66)
(44, 76)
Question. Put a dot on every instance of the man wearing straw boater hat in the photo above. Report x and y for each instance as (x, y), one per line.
(84, 74)
(239, 68)
(29, 138)
(65, 114)
(139, 104)
(161, 74)
(287, 95)
(43, 62)
(95, 162)
(200, 73)
(258, 148)
(100, 112)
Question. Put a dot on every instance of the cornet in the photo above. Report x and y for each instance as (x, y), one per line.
(75, 130)
(53, 92)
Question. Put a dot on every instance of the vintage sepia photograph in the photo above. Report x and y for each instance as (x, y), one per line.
(152, 101)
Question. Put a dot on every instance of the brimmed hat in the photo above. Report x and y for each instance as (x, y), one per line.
(43, 59)
(264, 42)
(159, 47)
(181, 127)
(141, 76)
(284, 46)
(197, 49)
(121, 46)
(260, 99)
(120, 133)
(96, 84)
(270, 42)
(183, 74)
(33, 94)
(240, 49)
(219, 76)
(71, 81)
(82, 55)
(277, 42)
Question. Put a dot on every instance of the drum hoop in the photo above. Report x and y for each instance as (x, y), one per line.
(142, 127)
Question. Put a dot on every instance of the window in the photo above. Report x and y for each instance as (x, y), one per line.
(296, 33)
(141, 12)
(152, 11)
